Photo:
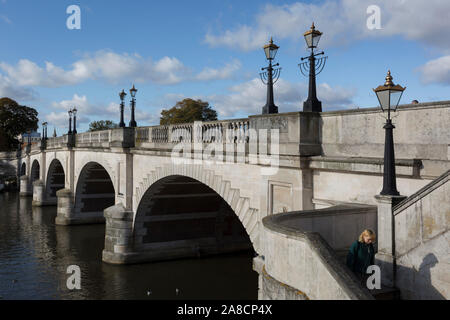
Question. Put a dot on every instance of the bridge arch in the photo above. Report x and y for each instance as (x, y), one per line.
(240, 205)
(94, 191)
(93, 157)
(55, 179)
(35, 171)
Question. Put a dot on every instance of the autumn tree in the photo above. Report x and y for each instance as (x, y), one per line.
(102, 125)
(15, 120)
(188, 110)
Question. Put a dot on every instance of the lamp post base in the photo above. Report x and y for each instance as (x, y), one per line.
(269, 109)
(312, 106)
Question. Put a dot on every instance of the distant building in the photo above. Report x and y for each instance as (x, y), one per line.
(414, 102)
(34, 137)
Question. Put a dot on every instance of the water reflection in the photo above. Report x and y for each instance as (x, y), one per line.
(35, 254)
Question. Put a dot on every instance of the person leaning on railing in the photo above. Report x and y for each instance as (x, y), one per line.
(361, 254)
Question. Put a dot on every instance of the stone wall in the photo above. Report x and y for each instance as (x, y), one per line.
(357, 187)
(305, 262)
(422, 242)
(421, 132)
(339, 226)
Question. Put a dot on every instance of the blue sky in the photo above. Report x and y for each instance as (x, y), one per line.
(212, 50)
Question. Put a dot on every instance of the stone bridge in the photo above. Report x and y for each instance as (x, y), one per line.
(193, 189)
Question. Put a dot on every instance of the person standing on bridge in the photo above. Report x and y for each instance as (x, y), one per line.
(361, 254)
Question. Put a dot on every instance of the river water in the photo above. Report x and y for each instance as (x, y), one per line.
(35, 254)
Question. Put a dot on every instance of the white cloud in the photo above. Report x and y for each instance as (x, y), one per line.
(5, 19)
(88, 112)
(17, 93)
(61, 118)
(216, 74)
(80, 102)
(112, 68)
(103, 65)
(436, 71)
(249, 97)
(342, 22)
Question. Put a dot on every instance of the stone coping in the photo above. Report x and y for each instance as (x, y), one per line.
(402, 107)
(421, 193)
(365, 160)
(343, 276)
(340, 209)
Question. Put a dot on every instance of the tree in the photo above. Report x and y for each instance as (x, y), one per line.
(188, 110)
(15, 120)
(102, 125)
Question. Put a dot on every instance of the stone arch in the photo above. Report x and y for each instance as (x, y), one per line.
(35, 171)
(93, 157)
(55, 179)
(94, 191)
(56, 156)
(247, 215)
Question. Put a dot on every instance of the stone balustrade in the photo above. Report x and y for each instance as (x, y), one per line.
(229, 131)
(57, 142)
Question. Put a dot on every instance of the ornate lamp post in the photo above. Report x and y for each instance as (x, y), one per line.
(44, 136)
(74, 111)
(133, 105)
(44, 131)
(268, 77)
(122, 105)
(312, 68)
(389, 96)
(70, 122)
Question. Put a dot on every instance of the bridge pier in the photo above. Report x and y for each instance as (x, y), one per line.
(65, 207)
(39, 195)
(119, 236)
(25, 186)
(69, 214)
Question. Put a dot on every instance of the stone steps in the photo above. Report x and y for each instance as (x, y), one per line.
(385, 293)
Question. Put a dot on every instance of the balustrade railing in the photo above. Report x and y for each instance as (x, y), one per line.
(225, 131)
(94, 136)
(57, 142)
(229, 131)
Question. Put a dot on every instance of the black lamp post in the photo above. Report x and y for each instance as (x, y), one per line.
(70, 122)
(312, 68)
(389, 96)
(133, 105)
(122, 105)
(269, 76)
(44, 131)
(74, 111)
